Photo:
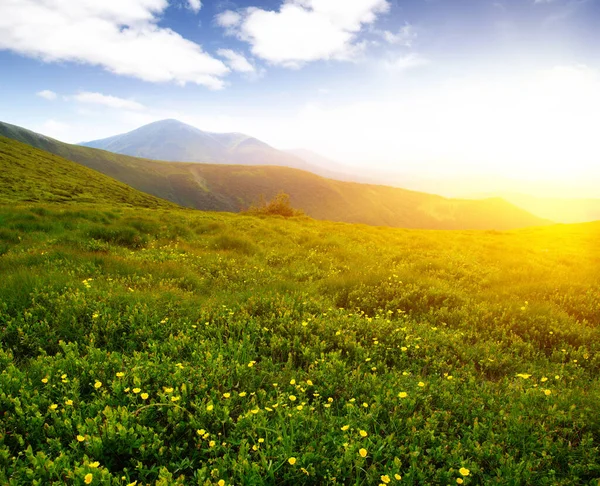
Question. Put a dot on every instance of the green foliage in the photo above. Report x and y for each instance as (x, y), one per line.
(280, 205)
(179, 347)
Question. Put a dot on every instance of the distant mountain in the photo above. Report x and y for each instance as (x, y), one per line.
(222, 187)
(174, 141)
(32, 175)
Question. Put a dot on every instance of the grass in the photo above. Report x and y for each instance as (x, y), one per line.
(167, 346)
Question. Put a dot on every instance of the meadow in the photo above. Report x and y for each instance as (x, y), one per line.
(171, 346)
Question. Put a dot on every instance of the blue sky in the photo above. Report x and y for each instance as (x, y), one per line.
(447, 88)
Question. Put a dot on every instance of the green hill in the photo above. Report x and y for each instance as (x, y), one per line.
(232, 188)
(31, 175)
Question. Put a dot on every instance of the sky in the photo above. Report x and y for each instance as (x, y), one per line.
(469, 96)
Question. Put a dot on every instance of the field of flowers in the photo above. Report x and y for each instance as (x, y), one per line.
(143, 346)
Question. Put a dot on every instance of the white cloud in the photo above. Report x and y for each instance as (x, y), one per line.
(106, 100)
(122, 36)
(194, 5)
(406, 62)
(236, 61)
(304, 30)
(405, 36)
(47, 94)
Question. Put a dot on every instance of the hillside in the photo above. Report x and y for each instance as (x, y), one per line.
(221, 187)
(216, 349)
(31, 175)
(563, 210)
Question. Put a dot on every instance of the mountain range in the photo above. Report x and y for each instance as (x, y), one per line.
(232, 187)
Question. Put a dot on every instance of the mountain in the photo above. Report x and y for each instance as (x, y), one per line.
(222, 187)
(32, 175)
(174, 141)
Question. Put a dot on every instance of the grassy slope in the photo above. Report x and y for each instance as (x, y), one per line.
(30, 175)
(285, 338)
(231, 188)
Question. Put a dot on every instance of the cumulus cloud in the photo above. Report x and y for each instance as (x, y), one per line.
(194, 5)
(302, 31)
(47, 94)
(106, 100)
(122, 36)
(236, 61)
(406, 62)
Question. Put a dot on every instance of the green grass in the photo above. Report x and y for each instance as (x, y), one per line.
(261, 339)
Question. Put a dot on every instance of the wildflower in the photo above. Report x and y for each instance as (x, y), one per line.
(97, 385)
(210, 407)
(80, 438)
(88, 478)
(397, 476)
(212, 443)
(309, 382)
(201, 431)
(330, 399)
(292, 398)
(44, 380)
(449, 377)
(243, 394)
(292, 382)
(94, 464)
(544, 379)
(137, 390)
(403, 348)
(365, 404)
(221, 483)
(120, 374)
(421, 384)
(54, 406)
(251, 364)
(175, 399)
(345, 427)
(261, 440)
(363, 433)
(69, 402)
(402, 395)
(292, 460)
(547, 392)
(226, 395)
(169, 390)
(523, 375)
(459, 480)
(144, 396)
(385, 479)
(299, 407)
(464, 471)
(363, 452)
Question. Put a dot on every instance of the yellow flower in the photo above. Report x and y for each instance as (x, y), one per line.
(464, 471)
(459, 480)
(243, 394)
(292, 398)
(363, 452)
(251, 364)
(120, 374)
(201, 431)
(292, 460)
(132, 483)
(137, 390)
(523, 375)
(94, 464)
(254, 447)
(330, 399)
(449, 377)
(221, 483)
(54, 406)
(385, 479)
(363, 433)
(127, 390)
(397, 476)
(402, 395)
(175, 399)
(292, 382)
(211, 443)
(80, 438)
(309, 382)
(544, 379)
(403, 348)
(421, 384)
(345, 427)
(210, 408)
(365, 404)
(69, 402)
(299, 407)
(63, 376)
(44, 380)
(97, 385)
(169, 390)
(547, 392)
(144, 396)
(226, 395)
(88, 478)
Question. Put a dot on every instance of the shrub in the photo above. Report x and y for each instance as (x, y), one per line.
(280, 205)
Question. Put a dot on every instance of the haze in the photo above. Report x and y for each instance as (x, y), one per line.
(457, 98)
